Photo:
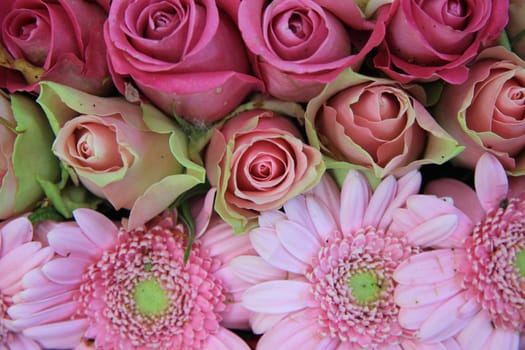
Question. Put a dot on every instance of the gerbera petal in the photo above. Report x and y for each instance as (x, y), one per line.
(223, 339)
(463, 196)
(222, 243)
(355, 194)
(269, 217)
(407, 185)
(261, 322)
(269, 247)
(65, 270)
(59, 335)
(298, 240)
(380, 200)
(236, 316)
(296, 210)
(56, 313)
(446, 320)
(11, 278)
(433, 230)
(254, 269)
(475, 334)
(423, 294)
(490, 181)
(202, 212)
(24, 310)
(322, 218)
(503, 339)
(20, 342)
(277, 296)
(70, 241)
(296, 331)
(431, 267)
(98, 228)
(10, 264)
(14, 233)
(413, 317)
(328, 192)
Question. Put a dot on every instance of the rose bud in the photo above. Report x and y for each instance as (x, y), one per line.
(431, 40)
(257, 161)
(133, 156)
(487, 112)
(187, 57)
(60, 41)
(377, 126)
(25, 154)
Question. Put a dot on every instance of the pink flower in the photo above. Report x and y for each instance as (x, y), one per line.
(134, 157)
(185, 56)
(486, 112)
(132, 290)
(430, 40)
(18, 255)
(377, 126)
(60, 41)
(472, 285)
(516, 26)
(257, 161)
(299, 45)
(324, 276)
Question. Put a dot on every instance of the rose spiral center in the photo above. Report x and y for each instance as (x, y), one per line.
(456, 8)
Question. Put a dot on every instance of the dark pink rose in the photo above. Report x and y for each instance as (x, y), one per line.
(185, 56)
(428, 40)
(300, 45)
(60, 41)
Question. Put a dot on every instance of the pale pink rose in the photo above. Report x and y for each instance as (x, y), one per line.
(487, 112)
(431, 40)
(134, 157)
(299, 45)
(376, 125)
(187, 57)
(59, 41)
(257, 161)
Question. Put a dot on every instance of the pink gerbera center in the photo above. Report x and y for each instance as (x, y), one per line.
(496, 251)
(352, 282)
(142, 294)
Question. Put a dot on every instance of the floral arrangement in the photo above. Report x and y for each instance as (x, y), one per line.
(313, 174)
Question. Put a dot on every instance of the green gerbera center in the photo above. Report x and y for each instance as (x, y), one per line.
(150, 298)
(520, 262)
(365, 286)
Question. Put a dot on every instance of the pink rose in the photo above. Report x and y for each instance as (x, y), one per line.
(375, 125)
(257, 161)
(134, 157)
(186, 56)
(59, 41)
(299, 45)
(435, 39)
(487, 112)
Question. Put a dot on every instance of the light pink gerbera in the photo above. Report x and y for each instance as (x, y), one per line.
(473, 284)
(323, 279)
(18, 254)
(119, 289)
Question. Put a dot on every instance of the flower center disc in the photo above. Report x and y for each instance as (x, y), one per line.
(365, 286)
(520, 262)
(150, 298)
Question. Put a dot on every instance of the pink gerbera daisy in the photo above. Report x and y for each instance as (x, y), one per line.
(120, 289)
(473, 284)
(323, 279)
(18, 254)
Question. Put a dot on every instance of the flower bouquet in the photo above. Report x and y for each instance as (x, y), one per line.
(313, 174)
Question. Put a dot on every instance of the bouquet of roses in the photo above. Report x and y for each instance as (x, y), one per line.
(313, 174)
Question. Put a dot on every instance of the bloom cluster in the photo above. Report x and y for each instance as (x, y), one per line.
(228, 174)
